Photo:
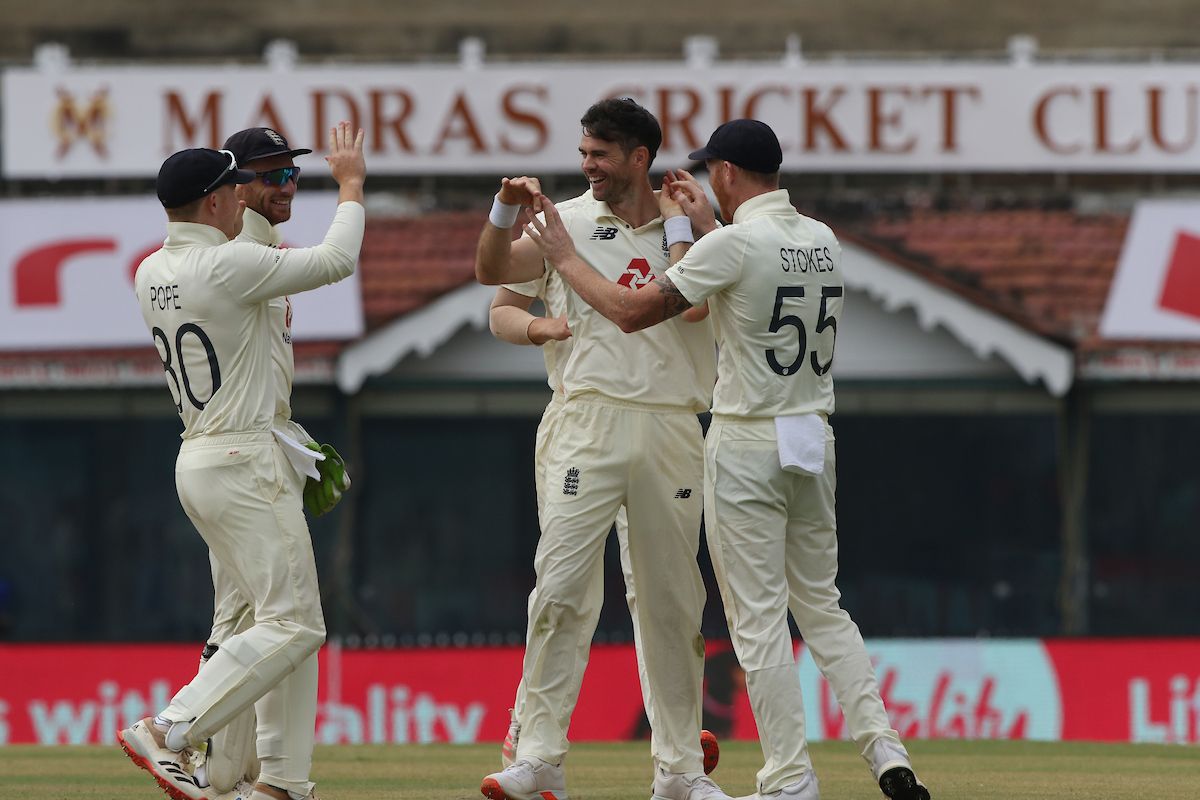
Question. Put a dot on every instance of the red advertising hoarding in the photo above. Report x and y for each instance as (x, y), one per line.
(1143, 690)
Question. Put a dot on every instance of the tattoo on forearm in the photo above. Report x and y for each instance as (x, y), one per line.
(674, 303)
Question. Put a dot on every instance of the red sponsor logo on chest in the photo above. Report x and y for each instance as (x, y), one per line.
(637, 274)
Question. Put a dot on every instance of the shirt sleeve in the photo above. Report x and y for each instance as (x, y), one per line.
(254, 273)
(533, 288)
(710, 265)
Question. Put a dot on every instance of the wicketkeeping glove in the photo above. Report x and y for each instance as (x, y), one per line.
(320, 496)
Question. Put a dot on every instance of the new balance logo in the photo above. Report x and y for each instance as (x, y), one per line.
(571, 482)
(603, 234)
(683, 494)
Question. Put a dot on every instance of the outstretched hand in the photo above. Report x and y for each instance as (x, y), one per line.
(687, 192)
(551, 237)
(345, 159)
(668, 205)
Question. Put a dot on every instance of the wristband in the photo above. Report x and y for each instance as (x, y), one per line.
(503, 215)
(678, 229)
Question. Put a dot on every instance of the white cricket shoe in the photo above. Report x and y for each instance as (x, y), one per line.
(803, 789)
(146, 746)
(528, 778)
(508, 750)
(685, 786)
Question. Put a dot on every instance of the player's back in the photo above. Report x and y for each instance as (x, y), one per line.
(777, 322)
(215, 347)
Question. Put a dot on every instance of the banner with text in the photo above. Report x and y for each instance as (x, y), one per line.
(86, 121)
(1105, 690)
(67, 266)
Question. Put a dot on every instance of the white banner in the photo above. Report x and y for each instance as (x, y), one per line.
(421, 119)
(1155, 293)
(67, 272)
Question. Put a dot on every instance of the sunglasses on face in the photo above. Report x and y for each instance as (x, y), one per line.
(278, 177)
(231, 168)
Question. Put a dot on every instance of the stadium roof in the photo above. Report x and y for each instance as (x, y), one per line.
(1041, 276)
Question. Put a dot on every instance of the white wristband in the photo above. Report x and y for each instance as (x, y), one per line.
(503, 215)
(678, 229)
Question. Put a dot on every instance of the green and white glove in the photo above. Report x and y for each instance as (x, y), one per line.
(321, 496)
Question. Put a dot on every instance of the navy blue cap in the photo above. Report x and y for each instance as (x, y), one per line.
(191, 174)
(255, 143)
(748, 143)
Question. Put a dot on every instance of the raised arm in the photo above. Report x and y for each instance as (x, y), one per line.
(346, 163)
(498, 259)
(256, 272)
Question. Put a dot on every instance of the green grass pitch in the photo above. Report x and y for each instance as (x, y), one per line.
(952, 770)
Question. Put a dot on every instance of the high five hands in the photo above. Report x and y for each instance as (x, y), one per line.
(551, 236)
(682, 193)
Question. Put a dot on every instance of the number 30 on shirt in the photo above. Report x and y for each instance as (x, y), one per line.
(178, 382)
(779, 321)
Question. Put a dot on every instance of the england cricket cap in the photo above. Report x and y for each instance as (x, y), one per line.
(748, 143)
(191, 174)
(255, 143)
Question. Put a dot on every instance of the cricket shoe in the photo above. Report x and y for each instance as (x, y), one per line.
(712, 751)
(893, 769)
(146, 746)
(508, 750)
(899, 783)
(685, 786)
(527, 778)
(803, 789)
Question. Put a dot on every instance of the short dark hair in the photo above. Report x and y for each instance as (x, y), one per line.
(622, 120)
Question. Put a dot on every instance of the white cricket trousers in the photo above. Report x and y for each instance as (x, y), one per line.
(541, 447)
(245, 500)
(772, 537)
(595, 596)
(231, 755)
(603, 454)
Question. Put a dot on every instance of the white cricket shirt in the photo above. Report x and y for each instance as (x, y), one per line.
(206, 302)
(672, 364)
(773, 281)
(256, 229)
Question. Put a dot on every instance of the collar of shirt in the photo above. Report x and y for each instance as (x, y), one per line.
(602, 211)
(256, 228)
(192, 233)
(774, 202)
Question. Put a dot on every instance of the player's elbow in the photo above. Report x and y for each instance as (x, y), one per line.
(487, 272)
(627, 325)
(341, 263)
(634, 320)
(346, 267)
